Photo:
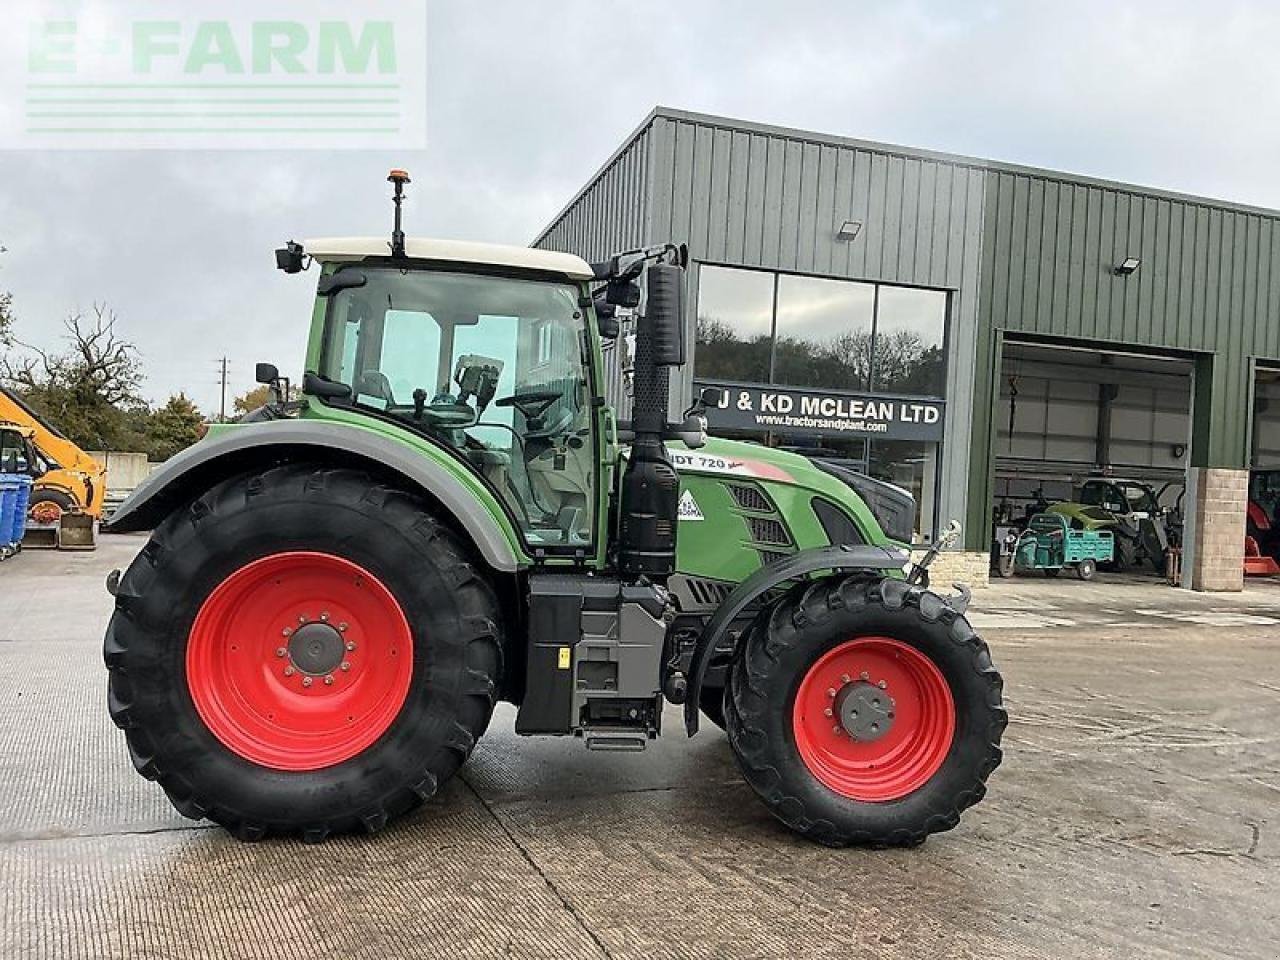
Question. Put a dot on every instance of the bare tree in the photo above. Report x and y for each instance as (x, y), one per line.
(87, 388)
(98, 362)
(6, 315)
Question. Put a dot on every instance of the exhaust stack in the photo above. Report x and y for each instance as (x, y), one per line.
(650, 486)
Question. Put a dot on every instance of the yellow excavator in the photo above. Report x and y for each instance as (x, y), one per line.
(66, 500)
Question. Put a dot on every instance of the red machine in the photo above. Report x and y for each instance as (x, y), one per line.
(1257, 564)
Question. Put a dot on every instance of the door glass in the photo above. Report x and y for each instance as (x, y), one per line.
(491, 367)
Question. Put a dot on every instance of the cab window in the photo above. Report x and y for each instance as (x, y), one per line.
(493, 368)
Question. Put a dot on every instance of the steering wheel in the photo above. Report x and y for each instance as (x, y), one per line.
(533, 403)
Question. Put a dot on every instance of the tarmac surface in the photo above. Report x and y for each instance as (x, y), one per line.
(1137, 814)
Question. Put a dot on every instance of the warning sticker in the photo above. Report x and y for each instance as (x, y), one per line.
(689, 509)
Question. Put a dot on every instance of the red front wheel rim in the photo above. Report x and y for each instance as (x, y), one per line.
(873, 719)
(299, 661)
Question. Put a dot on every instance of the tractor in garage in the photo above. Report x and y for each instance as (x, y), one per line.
(1131, 510)
(335, 595)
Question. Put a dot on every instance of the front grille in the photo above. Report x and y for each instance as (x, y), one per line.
(708, 592)
(768, 531)
(750, 497)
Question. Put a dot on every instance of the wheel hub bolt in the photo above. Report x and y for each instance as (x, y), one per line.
(328, 681)
(287, 632)
(827, 712)
(342, 627)
(865, 676)
(351, 645)
(346, 665)
(883, 684)
(324, 617)
(302, 618)
(289, 671)
(844, 678)
(831, 691)
(281, 651)
(306, 681)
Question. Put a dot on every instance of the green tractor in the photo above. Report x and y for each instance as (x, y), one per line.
(337, 592)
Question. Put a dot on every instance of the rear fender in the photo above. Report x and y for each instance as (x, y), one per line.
(259, 445)
(846, 557)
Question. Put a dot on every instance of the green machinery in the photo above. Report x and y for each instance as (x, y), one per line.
(338, 590)
(1049, 543)
(1131, 510)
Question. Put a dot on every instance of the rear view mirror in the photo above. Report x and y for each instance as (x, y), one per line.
(623, 293)
(606, 319)
(266, 373)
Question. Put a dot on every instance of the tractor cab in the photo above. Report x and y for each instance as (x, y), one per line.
(494, 367)
(1130, 498)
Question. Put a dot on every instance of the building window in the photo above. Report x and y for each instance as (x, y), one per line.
(735, 324)
(823, 333)
(913, 466)
(910, 339)
(839, 338)
(756, 326)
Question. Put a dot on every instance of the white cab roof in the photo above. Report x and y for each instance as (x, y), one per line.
(421, 248)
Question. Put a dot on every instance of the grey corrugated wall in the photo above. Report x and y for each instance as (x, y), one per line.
(757, 196)
(1027, 252)
(609, 214)
(1208, 285)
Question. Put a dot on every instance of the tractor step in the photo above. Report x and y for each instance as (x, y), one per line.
(616, 742)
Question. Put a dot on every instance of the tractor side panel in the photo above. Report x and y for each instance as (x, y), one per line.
(730, 527)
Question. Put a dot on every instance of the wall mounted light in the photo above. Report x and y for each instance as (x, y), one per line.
(1127, 266)
(848, 231)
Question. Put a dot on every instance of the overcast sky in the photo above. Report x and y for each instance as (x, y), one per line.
(526, 99)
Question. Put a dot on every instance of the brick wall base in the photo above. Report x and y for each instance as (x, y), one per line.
(1215, 528)
(959, 566)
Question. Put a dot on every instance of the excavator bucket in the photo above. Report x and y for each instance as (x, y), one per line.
(78, 531)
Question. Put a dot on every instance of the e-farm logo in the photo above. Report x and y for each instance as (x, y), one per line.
(271, 74)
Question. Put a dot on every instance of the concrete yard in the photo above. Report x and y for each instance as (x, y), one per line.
(1135, 815)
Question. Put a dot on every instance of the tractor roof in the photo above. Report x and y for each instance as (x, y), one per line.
(333, 249)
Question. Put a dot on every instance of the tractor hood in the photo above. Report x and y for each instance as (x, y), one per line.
(890, 507)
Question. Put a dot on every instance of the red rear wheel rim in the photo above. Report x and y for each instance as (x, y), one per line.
(893, 685)
(299, 660)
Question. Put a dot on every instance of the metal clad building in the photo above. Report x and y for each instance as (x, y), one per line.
(1022, 256)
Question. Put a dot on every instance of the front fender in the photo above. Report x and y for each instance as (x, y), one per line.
(845, 557)
(248, 446)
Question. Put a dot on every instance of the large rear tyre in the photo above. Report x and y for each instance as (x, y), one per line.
(302, 651)
(864, 711)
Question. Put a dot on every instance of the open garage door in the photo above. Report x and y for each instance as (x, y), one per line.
(1104, 429)
(1262, 518)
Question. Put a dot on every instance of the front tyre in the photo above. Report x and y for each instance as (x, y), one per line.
(302, 651)
(864, 711)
